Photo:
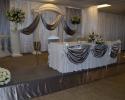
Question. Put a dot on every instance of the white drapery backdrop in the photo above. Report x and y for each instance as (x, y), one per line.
(26, 41)
(44, 34)
(112, 27)
(109, 26)
(4, 29)
(92, 21)
(89, 21)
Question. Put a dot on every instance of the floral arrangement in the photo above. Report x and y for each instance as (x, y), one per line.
(99, 40)
(75, 20)
(92, 37)
(15, 15)
(95, 38)
(5, 76)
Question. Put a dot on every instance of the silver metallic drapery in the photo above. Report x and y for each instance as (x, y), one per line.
(67, 29)
(78, 54)
(99, 50)
(31, 28)
(115, 50)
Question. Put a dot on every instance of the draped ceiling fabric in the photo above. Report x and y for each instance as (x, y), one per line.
(89, 20)
(4, 29)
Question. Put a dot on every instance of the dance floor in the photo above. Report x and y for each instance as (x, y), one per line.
(30, 68)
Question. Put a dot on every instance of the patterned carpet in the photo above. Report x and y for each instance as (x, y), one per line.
(107, 89)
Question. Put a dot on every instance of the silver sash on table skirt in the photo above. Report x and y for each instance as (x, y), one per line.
(77, 54)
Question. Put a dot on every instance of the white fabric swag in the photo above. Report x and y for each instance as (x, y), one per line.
(42, 32)
(92, 20)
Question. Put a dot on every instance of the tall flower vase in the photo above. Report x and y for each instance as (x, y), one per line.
(15, 40)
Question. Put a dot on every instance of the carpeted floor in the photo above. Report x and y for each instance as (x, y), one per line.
(112, 88)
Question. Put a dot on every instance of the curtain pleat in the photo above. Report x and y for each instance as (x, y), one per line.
(4, 26)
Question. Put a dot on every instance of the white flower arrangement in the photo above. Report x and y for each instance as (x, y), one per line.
(5, 76)
(15, 15)
(92, 37)
(99, 40)
(95, 38)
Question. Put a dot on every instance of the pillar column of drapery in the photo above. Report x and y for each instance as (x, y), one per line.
(36, 38)
(4, 50)
(15, 42)
(89, 20)
(15, 35)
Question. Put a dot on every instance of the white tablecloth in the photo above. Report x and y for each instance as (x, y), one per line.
(58, 59)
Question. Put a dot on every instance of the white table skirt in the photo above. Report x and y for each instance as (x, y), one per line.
(58, 59)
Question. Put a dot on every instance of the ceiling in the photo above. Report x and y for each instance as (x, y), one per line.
(118, 6)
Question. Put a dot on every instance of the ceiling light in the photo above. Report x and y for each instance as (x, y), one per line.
(50, 0)
(103, 5)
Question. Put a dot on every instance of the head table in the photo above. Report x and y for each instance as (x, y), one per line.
(58, 59)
